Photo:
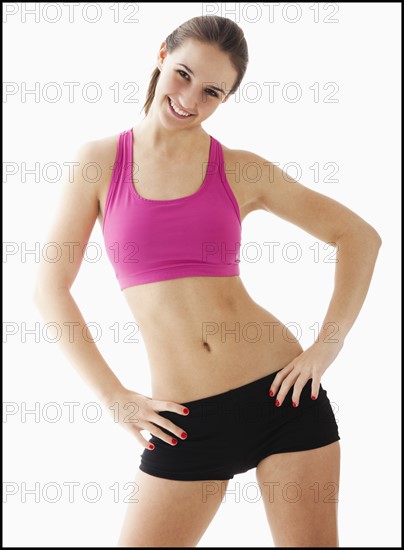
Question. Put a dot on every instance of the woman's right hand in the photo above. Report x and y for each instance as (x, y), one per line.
(136, 412)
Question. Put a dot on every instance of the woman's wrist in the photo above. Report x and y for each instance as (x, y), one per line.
(331, 333)
(109, 394)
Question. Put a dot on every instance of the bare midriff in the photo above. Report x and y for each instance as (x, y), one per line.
(205, 336)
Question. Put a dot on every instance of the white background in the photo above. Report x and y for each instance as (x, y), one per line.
(359, 132)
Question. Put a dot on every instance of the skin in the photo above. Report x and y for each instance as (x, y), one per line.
(185, 364)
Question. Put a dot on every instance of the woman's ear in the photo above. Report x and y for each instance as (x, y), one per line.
(161, 55)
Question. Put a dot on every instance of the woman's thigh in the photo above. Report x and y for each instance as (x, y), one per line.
(300, 493)
(170, 513)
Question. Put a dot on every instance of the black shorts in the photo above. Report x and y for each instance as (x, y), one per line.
(231, 432)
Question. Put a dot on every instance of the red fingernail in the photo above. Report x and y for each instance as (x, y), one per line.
(271, 393)
(186, 411)
(294, 404)
(313, 398)
(277, 403)
(184, 435)
(151, 446)
(174, 441)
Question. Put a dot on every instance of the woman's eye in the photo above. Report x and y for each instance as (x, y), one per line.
(208, 90)
(182, 73)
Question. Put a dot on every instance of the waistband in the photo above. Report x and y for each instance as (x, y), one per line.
(241, 392)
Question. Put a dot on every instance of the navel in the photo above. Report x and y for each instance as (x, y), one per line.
(206, 346)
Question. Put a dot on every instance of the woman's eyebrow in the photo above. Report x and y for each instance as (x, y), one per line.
(190, 71)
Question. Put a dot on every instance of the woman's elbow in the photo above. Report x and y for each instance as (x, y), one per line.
(366, 237)
(38, 294)
(374, 237)
(368, 234)
(44, 289)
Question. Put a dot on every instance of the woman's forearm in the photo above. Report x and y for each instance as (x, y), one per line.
(356, 254)
(58, 306)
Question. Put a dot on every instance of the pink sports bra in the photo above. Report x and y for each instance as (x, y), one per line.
(156, 240)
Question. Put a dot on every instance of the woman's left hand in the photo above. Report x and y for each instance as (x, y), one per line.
(311, 363)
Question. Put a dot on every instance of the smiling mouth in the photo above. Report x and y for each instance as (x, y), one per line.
(179, 113)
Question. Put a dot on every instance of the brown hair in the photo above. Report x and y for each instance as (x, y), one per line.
(210, 29)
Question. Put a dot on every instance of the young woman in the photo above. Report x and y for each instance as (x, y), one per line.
(171, 214)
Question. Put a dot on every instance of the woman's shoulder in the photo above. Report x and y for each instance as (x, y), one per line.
(102, 150)
(241, 156)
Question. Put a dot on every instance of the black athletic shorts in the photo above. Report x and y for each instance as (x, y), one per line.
(231, 432)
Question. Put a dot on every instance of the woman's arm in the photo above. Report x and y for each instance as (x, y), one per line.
(73, 224)
(357, 251)
(357, 245)
(356, 241)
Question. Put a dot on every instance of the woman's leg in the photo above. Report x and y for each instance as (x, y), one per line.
(300, 493)
(170, 513)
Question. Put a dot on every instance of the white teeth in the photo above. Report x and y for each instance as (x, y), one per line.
(177, 110)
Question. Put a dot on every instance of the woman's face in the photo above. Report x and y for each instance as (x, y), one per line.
(194, 80)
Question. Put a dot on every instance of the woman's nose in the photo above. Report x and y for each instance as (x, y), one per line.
(189, 101)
